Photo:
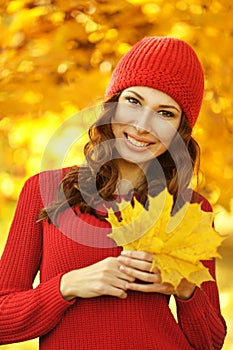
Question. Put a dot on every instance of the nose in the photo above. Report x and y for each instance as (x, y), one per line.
(143, 122)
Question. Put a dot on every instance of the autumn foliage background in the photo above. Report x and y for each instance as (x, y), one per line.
(56, 58)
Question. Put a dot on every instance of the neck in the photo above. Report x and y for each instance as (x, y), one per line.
(131, 176)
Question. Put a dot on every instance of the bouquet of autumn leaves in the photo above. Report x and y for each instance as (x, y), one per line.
(179, 242)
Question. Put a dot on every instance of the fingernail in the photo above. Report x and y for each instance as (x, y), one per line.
(119, 258)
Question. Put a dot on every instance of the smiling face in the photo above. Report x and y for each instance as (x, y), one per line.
(144, 124)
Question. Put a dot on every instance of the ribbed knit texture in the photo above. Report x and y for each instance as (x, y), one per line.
(142, 321)
(166, 64)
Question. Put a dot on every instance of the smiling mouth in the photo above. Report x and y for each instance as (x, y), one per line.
(137, 143)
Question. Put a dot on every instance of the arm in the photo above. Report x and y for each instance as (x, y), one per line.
(200, 316)
(27, 313)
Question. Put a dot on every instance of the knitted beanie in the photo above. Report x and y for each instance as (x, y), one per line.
(166, 64)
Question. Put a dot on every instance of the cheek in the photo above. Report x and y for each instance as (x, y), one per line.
(164, 130)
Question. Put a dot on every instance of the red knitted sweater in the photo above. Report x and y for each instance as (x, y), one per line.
(142, 321)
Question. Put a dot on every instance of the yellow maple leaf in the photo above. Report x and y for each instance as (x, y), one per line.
(178, 242)
(135, 220)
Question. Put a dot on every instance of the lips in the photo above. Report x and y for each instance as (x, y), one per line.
(136, 142)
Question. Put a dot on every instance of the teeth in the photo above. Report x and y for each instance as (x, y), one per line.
(137, 143)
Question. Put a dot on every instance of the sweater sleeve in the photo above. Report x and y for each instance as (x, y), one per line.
(27, 313)
(200, 316)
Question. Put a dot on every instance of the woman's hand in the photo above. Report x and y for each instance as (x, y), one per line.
(137, 265)
(102, 278)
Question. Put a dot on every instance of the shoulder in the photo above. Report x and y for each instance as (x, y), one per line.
(45, 183)
(195, 197)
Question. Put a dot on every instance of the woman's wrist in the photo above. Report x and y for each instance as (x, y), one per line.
(65, 288)
(185, 296)
(185, 290)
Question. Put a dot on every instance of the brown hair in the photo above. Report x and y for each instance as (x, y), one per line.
(99, 183)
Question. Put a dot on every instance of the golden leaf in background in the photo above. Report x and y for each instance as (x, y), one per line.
(179, 242)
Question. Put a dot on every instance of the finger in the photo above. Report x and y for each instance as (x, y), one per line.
(125, 277)
(141, 275)
(118, 287)
(137, 254)
(135, 263)
(116, 292)
(163, 288)
(110, 286)
(120, 275)
(156, 270)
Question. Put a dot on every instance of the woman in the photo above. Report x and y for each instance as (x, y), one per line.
(91, 294)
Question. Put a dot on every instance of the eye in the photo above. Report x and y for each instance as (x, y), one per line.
(166, 114)
(133, 100)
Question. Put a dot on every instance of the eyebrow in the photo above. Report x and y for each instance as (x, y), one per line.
(169, 106)
(160, 106)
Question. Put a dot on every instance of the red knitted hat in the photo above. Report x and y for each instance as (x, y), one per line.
(166, 64)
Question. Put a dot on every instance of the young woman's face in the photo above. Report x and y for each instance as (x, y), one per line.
(144, 124)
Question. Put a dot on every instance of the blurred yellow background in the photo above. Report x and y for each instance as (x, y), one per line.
(56, 58)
